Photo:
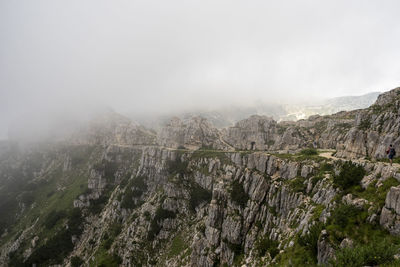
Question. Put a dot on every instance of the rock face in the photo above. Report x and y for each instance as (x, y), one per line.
(390, 215)
(193, 133)
(219, 204)
(254, 133)
(111, 128)
(115, 195)
(354, 134)
(325, 250)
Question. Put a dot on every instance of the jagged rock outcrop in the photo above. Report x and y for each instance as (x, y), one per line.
(390, 215)
(111, 128)
(114, 196)
(192, 133)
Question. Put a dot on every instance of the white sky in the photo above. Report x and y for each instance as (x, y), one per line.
(155, 56)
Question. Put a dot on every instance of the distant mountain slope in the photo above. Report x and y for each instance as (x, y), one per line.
(329, 106)
(228, 116)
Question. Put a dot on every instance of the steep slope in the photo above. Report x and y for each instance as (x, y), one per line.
(194, 133)
(354, 134)
(110, 196)
(160, 207)
(112, 128)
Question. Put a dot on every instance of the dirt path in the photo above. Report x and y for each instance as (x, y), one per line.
(328, 155)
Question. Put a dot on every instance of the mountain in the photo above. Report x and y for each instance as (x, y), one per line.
(255, 193)
(329, 106)
(228, 116)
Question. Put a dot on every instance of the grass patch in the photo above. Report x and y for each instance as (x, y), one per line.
(177, 246)
(297, 185)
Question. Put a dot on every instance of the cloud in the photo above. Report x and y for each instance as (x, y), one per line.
(158, 56)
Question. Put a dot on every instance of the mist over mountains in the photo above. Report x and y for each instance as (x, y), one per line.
(279, 111)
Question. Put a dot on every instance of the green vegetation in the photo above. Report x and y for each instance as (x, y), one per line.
(76, 261)
(281, 129)
(310, 240)
(296, 256)
(60, 245)
(297, 185)
(371, 254)
(160, 215)
(350, 175)
(320, 126)
(221, 155)
(238, 195)
(309, 152)
(102, 256)
(264, 245)
(365, 124)
(108, 168)
(53, 218)
(198, 195)
(178, 167)
(377, 195)
(97, 205)
(373, 245)
(135, 189)
(178, 245)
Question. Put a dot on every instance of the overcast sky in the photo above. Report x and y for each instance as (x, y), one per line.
(166, 55)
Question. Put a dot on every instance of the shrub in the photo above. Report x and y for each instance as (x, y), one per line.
(161, 214)
(177, 166)
(108, 260)
(309, 152)
(76, 261)
(344, 214)
(310, 240)
(297, 185)
(371, 254)
(135, 189)
(365, 124)
(53, 218)
(198, 195)
(350, 175)
(60, 245)
(265, 245)
(97, 205)
(238, 194)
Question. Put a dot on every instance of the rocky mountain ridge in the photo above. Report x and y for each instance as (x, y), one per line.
(118, 194)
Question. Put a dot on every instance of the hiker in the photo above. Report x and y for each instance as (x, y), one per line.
(391, 152)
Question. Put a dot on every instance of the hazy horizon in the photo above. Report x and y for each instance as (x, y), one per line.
(72, 57)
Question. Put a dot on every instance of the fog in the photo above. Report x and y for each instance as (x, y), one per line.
(64, 59)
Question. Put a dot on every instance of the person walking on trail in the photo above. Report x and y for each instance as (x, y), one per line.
(391, 152)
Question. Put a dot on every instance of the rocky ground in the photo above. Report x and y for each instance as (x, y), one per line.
(254, 194)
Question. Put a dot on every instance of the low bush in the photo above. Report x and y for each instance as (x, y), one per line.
(297, 185)
(53, 218)
(309, 152)
(310, 240)
(76, 261)
(238, 195)
(177, 166)
(155, 228)
(264, 245)
(350, 175)
(198, 195)
(371, 254)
